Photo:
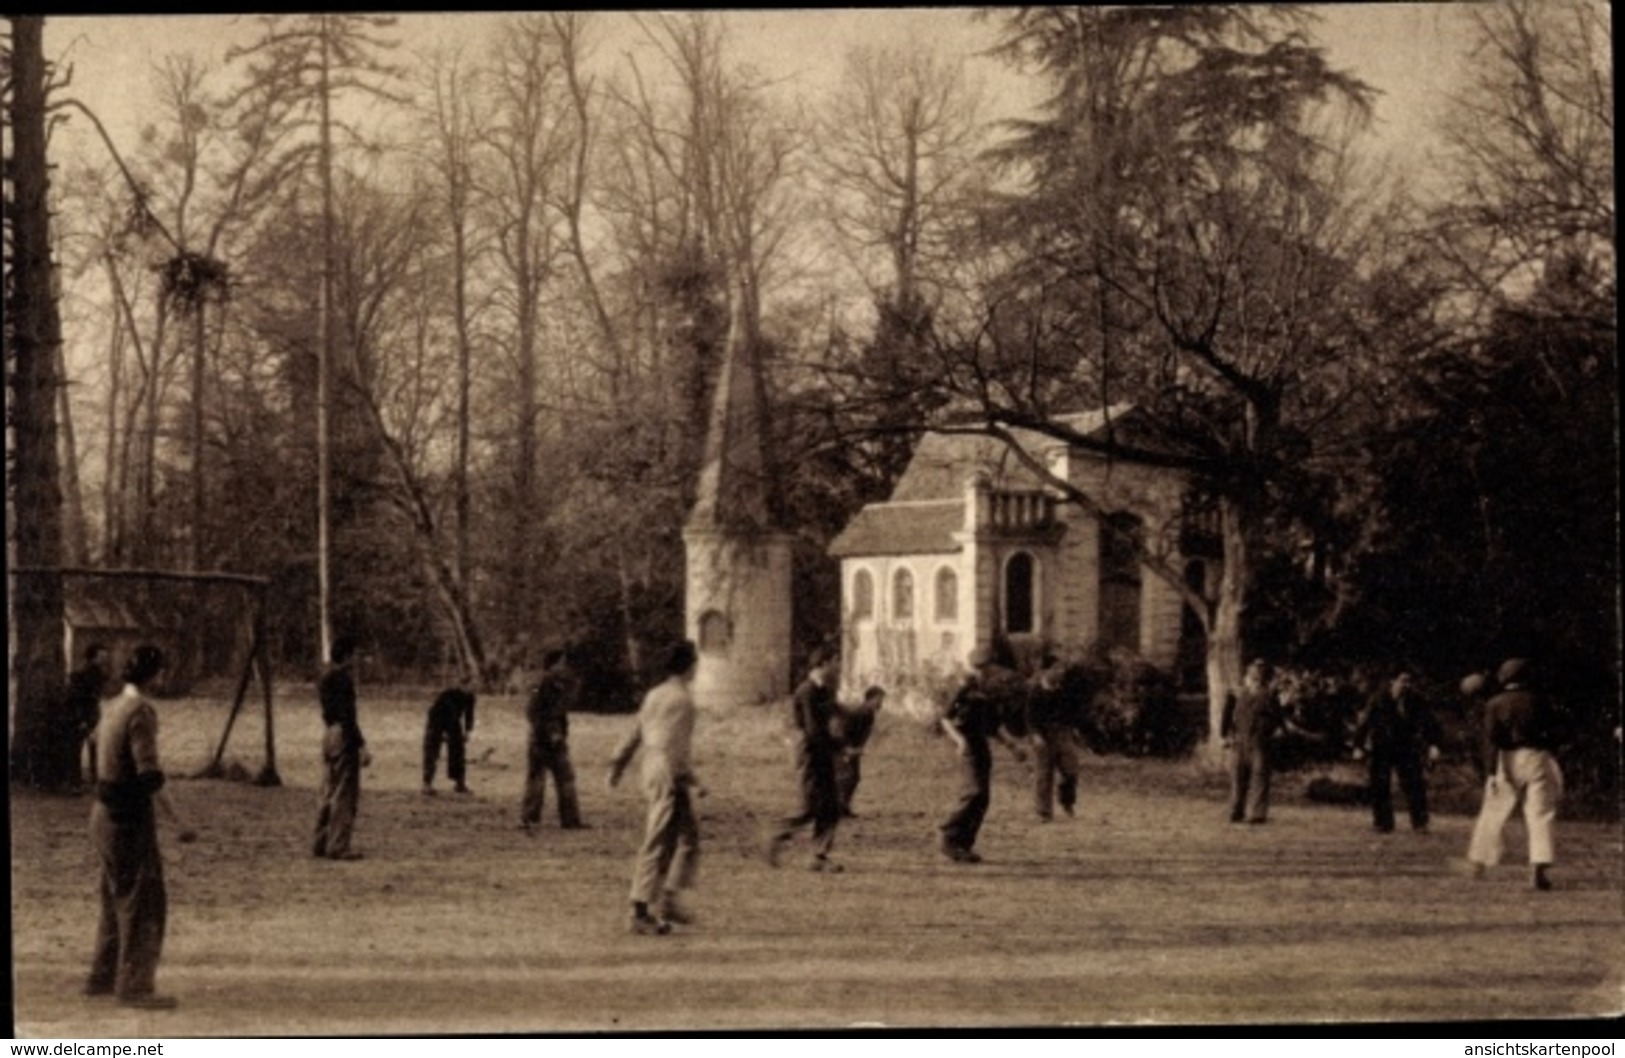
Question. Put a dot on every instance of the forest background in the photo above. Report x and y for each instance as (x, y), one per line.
(1378, 330)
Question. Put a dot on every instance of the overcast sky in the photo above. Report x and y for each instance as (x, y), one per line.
(1412, 53)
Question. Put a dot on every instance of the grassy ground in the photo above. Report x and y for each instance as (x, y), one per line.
(1146, 908)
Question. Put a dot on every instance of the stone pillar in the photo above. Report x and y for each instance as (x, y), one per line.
(979, 573)
(737, 603)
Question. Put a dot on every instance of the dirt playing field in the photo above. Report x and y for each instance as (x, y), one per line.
(1146, 908)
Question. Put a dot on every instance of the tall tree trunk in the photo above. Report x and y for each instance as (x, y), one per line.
(121, 519)
(524, 471)
(1241, 521)
(195, 550)
(414, 502)
(629, 633)
(145, 544)
(324, 369)
(112, 493)
(75, 543)
(465, 348)
(1225, 643)
(42, 749)
(580, 92)
(456, 139)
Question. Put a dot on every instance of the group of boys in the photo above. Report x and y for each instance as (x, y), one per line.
(830, 740)
(1396, 734)
(448, 725)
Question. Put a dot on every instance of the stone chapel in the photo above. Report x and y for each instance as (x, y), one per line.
(972, 546)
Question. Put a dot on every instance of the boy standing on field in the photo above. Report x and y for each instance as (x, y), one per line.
(83, 702)
(548, 752)
(667, 859)
(1248, 725)
(1522, 729)
(344, 754)
(124, 831)
(816, 750)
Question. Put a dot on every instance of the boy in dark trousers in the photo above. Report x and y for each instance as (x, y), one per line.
(1398, 733)
(853, 726)
(971, 722)
(344, 754)
(1052, 722)
(549, 751)
(816, 750)
(123, 828)
(450, 722)
(83, 700)
(1250, 721)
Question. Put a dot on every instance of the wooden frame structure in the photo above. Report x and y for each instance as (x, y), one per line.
(258, 658)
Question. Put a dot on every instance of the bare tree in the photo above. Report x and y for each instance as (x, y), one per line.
(208, 173)
(1532, 142)
(690, 165)
(75, 543)
(900, 162)
(704, 201)
(899, 146)
(312, 59)
(93, 228)
(92, 216)
(454, 131)
(396, 378)
(531, 138)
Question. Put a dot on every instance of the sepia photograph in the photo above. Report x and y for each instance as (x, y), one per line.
(1095, 519)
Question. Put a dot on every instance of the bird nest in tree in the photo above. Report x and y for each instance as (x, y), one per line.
(191, 280)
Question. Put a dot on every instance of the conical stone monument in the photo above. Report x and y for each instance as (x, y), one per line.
(737, 595)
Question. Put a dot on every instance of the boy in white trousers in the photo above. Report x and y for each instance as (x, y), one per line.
(1520, 737)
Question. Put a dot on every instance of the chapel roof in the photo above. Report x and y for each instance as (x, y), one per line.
(895, 528)
(942, 462)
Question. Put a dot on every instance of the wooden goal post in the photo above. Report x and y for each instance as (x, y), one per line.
(256, 659)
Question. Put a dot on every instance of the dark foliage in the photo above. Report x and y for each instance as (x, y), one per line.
(1120, 703)
(1134, 709)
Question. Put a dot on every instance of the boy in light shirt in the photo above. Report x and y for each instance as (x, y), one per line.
(669, 855)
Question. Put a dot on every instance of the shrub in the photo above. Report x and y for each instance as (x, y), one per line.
(1130, 706)
(1320, 711)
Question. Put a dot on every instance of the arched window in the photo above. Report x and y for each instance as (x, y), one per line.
(1120, 578)
(1019, 582)
(947, 595)
(716, 632)
(902, 595)
(863, 595)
